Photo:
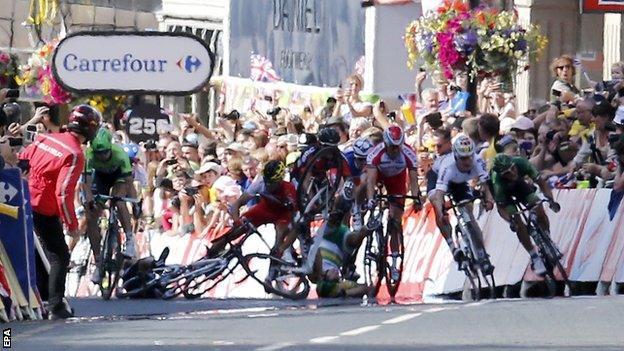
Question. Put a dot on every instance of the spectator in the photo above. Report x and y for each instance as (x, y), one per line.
(488, 126)
(53, 171)
(349, 105)
(563, 89)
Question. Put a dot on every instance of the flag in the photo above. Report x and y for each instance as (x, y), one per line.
(614, 203)
(262, 70)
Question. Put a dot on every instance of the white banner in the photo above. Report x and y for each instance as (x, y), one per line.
(132, 62)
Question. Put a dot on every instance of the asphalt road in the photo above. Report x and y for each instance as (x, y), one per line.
(579, 323)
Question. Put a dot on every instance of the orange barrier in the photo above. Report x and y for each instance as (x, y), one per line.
(593, 249)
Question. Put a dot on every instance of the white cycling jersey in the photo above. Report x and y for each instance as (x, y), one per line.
(449, 173)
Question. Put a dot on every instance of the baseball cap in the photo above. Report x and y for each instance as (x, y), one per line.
(523, 123)
(209, 166)
(238, 147)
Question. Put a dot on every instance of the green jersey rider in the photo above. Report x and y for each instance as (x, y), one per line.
(108, 171)
(508, 180)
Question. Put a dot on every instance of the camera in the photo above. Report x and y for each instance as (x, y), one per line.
(232, 116)
(274, 111)
(13, 142)
(614, 138)
(192, 190)
(30, 133)
(13, 93)
(434, 120)
(551, 135)
(150, 145)
(171, 162)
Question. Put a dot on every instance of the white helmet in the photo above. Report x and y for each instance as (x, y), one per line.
(463, 146)
(362, 147)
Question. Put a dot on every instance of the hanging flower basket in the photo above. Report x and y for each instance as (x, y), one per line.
(36, 76)
(8, 68)
(480, 42)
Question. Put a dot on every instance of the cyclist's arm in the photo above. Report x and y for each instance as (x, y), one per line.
(86, 187)
(234, 209)
(414, 186)
(370, 182)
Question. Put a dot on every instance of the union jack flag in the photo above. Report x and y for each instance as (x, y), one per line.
(262, 70)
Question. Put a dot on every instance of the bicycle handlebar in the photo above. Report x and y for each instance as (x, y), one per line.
(116, 198)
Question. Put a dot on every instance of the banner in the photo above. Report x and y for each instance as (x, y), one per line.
(602, 6)
(123, 63)
(312, 42)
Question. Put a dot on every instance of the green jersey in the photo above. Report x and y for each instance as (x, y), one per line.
(503, 188)
(119, 162)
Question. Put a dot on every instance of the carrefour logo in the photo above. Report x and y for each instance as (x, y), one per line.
(189, 63)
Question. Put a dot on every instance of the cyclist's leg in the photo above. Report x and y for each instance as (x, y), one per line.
(120, 189)
(509, 212)
(436, 197)
(460, 192)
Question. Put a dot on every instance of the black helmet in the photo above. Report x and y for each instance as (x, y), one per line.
(274, 171)
(84, 120)
(328, 136)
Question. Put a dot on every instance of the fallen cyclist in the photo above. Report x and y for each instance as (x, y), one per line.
(336, 245)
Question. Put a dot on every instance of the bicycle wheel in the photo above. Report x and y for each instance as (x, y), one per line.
(316, 191)
(472, 285)
(172, 283)
(112, 259)
(550, 254)
(374, 261)
(277, 276)
(396, 260)
(207, 277)
(477, 267)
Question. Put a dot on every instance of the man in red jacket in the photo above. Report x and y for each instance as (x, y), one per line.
(55, 161)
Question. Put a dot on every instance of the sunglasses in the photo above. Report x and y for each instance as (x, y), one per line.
(564, 66)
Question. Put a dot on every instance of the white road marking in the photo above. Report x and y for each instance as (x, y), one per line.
(274, 347)
(263, 315)
(324, 339)
(222, 342)
(361, 330)
(436, 309)
(403, 318)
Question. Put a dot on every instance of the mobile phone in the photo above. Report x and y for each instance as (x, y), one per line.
(421, 69)
(382, 105)
(556, 93)
(171, 162)
(551, 135)
(16, 142)
(268, 98)
(13, 93)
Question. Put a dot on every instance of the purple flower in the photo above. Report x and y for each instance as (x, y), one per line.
(521, 45)
(466, 42)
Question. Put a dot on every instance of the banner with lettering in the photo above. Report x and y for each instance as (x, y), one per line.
(307, 42)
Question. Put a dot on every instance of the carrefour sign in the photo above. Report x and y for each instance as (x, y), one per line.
(132, 63)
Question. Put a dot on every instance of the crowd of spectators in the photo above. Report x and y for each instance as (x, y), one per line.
(188, 176)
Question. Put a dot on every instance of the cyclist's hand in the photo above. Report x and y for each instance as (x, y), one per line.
(488, 204)
(554, 206)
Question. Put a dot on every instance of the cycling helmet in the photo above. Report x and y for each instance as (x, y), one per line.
(393, 135)
(132, 150)
(274, 171)
(362, 147)
(306, 139)
(501, 163)
(328, 136)
(463, 146)
(103, 141)
(84, 120)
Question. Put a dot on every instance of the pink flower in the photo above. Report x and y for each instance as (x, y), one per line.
(5, 58)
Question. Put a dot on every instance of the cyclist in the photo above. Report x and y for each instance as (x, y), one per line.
(356, 157)
(326, 137)
(391, 163)
(277, 205)
(453, 176)
(107, 172)
(336, 246)
(508, 180)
